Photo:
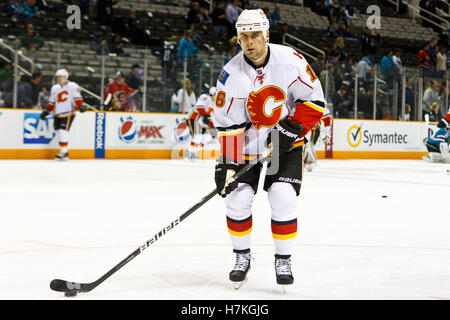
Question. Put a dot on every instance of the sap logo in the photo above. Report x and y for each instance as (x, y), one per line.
(1, 113)
(127, 129)
(36, 131)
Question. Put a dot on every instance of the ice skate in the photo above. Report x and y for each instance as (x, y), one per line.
(62, 156)
(239, 273)
(283, 272)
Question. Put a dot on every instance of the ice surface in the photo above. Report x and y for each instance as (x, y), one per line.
(75, 220)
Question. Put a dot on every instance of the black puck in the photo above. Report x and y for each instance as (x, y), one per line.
(384, 196)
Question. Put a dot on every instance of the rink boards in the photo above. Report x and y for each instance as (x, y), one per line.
(115, 135)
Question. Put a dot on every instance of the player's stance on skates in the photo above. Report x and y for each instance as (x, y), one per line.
(438, 145)
(321, 130)
(199, 120)
(264, 90)
(65, 99)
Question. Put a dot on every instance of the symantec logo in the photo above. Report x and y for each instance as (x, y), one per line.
(356, 136)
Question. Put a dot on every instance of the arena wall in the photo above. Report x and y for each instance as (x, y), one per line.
(115, 135)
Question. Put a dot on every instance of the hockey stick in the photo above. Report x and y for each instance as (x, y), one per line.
(72, 288)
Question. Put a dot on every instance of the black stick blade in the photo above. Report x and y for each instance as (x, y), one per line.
(64, 286)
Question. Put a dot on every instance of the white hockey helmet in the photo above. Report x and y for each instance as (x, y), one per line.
(252, 20)
(212, 91)
(62, 73)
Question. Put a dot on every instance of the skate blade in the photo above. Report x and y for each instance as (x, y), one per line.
(240, 284)
(284, 287)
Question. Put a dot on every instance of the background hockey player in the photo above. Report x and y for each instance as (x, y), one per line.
(437, 145)
(267, 91)
(321, 130)
(65, 99)
(199, 120)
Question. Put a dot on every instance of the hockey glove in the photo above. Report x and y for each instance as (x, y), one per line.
(288, 133)
(443, 124)
(83, 108)
(206, 120)
(44, 114)
(223, 177)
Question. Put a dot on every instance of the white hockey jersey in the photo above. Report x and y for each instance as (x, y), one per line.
(250, 100)
(203, 107)
(64, 99)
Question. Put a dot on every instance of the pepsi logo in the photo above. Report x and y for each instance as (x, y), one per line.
(127, 129)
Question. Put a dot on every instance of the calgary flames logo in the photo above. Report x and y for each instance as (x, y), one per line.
(258, 103)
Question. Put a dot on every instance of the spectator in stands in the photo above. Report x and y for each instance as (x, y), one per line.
(23, 92)
(99, 44)
(433, 112)
(169, 59)
(365, 102)
(6, 72)
(116, 46)
(342, 103)
(332, 29)
(194, 14)
(363, 70)
(431, 95)
(31, 40)
(276, 36)
(423, 60)
(186, 47)
(120, 90)
(408, 113)
(340, 15)
(387, 67)
(84, 8)
(339, 45)
(186, 97)
(441, 62)
(36, 86)
(134, 79)
(15, 9)
(369, 42)
(230, 54)
(398, 61)
(433, 57)
(134, 31)
(323, 81)
(317, 65)
(350, 12)
(232, 13)
(105, 11)
(30, 9)
(275, 17)
(442, 98)
(219, 20)
(410, 96)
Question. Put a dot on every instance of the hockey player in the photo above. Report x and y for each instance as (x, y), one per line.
(199, 120)
(437, 146)
(321, 130)
(445, 122)
(65, 98)
(266, 91)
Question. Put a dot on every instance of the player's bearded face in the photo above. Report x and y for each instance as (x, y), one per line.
(253, 44)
